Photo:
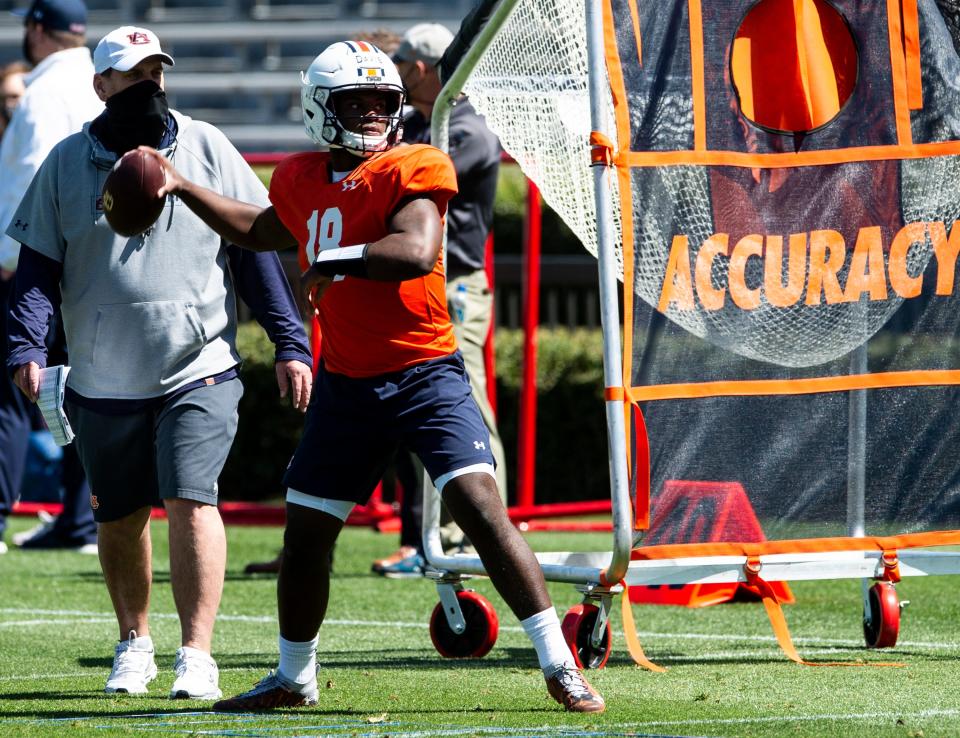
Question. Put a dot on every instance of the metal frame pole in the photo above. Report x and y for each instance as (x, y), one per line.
(609, 301)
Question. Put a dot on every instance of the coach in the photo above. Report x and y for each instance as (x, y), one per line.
(151, 324)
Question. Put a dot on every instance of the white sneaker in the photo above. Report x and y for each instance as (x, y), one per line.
(133, 666)
(3, 548)
(46, 524)
(197, 676)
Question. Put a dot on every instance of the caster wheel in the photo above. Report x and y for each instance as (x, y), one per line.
(881, 616)
(478, 637)
(577, 628)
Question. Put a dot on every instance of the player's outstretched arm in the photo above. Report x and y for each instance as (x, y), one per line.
(248, 226)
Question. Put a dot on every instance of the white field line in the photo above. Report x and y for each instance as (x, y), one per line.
(918, 715)
(395, 728)
(99, 617)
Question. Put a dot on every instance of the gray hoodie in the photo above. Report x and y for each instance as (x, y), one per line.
(145, 315)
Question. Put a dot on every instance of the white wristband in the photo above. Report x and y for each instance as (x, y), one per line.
(349, 260)
(338, 254)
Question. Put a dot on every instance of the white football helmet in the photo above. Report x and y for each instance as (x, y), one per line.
(350, 65)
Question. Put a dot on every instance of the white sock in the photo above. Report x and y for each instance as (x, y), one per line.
(543, 629)
(298, 660)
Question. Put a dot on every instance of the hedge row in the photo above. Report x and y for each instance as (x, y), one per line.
(571, 425)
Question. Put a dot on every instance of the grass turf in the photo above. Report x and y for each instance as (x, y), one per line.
(381, 676)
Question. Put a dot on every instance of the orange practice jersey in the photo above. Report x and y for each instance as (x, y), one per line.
(369, 327)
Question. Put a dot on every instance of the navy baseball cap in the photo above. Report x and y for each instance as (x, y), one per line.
(57, 15)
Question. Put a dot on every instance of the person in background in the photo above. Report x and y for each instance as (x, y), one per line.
(475, 152)
(14, 415)
(11, 90)
(367, 216)
(152, 321)
(57, 101)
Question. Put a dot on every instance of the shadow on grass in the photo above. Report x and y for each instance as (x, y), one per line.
(162, 576)
(421, 659)
(390, 659)
(844, 654)
(139, 711)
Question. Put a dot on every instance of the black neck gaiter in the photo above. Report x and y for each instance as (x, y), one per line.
(137, 116)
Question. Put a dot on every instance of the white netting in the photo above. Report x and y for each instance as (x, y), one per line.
(531, 86)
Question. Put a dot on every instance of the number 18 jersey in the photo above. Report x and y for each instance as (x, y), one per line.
(369, 327)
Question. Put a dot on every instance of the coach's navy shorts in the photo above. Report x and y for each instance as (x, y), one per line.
(354, 427)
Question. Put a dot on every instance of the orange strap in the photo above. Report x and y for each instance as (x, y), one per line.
(630, 634)
(898, 73)
(635, 18)
(641, 519)
(779, 622)
(614, 394)
(808, 386)
(880, 152)
(601, 150)
(772, 605)
(698, 92)
(891, 567)
(911, 51)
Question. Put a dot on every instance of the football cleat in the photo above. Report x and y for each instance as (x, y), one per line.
(567, 685)
(271, 692)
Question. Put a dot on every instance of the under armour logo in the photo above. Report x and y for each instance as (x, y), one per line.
(20, 225)
(350, 184)
(479, 445)
(138, 38)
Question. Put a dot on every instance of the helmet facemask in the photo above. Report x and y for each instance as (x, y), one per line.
(348, 126)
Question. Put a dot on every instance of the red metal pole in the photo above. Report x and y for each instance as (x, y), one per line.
(527, 431)
(489, 348)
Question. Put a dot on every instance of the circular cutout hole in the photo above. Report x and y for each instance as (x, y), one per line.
(794, 64)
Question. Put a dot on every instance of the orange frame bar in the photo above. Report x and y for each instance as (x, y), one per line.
(761, 387)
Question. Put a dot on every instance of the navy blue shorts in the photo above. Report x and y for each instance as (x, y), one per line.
(355, 426)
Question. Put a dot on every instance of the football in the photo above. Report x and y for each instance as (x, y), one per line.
(130, 200)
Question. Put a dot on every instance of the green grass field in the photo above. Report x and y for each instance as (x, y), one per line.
(380, 675)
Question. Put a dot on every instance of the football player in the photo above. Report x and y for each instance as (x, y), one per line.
(367, 216)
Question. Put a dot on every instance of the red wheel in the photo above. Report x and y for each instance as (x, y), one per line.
(577, 628)
(477, 638)
(881, 616)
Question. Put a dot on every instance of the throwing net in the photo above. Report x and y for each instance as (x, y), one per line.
(787, 177)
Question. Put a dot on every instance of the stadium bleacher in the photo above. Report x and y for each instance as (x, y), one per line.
(238, 61)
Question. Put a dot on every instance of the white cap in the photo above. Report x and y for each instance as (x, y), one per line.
(423, 42)
(122, 49)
